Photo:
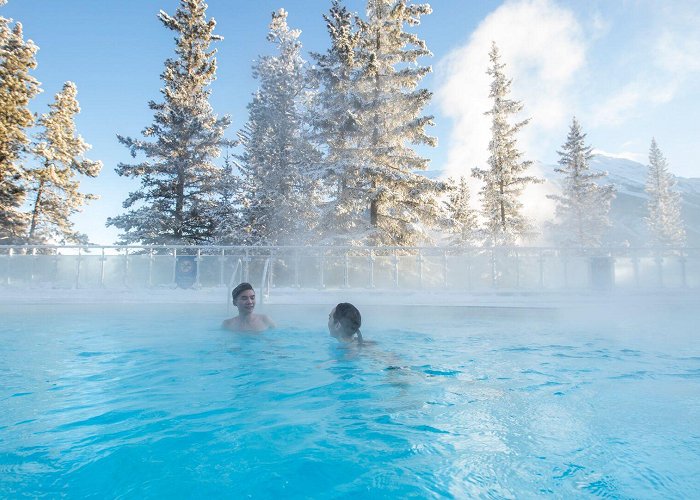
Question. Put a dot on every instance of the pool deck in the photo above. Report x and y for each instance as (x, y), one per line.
(291, 296)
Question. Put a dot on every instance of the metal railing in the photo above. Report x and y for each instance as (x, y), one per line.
(318, 267)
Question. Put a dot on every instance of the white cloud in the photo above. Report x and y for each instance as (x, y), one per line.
(616, 108)
(667, 57)
(677, 46)
(631, 101)
(600, 26)
(622, 78)
(542, 46)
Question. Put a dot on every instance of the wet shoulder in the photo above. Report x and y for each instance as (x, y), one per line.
(230, 324)
(267, 321)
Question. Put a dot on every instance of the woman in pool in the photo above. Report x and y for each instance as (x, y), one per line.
(344, 323)
(246, 321)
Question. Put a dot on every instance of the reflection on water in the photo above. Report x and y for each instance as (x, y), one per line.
(491, 403)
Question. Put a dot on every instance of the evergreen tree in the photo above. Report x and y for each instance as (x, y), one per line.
(17, 88)
(402, 203)
(503, 179)
(55, 194)
(335, 113)
(582, 208)
(461, 218)
(278, 164)
(664, 206)
(178, 195)
(227, 214)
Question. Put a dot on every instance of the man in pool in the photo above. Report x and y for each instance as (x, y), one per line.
(246, 321)
(344, 323)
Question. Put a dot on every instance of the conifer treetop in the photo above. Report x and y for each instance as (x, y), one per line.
(663, 219)
(17, 88)
(582, 209)
(55, 188)
(504, 179)
(179, 180)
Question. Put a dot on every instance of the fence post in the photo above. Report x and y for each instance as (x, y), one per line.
(321, 265)
(659, 270)
(77, 268)
(174, 282)
(468, 255)
(101, 282)
(197, 260)
(150, 267)
(444, 268)
(371, 268)
(33, 268)
(681, 259)
(271, 272)
(126, 267)
(9, 258)
(420, 268)
(396, 269)
(55, 267)
(635, 267)
(296, 268)
(246, 266)
(264, 281)
(221, 267)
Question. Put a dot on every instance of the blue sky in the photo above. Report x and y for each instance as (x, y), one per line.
(629, 70)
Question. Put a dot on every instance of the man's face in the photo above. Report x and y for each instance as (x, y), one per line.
(246, 301)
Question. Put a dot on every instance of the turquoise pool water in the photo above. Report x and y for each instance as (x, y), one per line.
(144, 401)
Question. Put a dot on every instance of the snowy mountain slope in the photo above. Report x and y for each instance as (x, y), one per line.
(629, 206)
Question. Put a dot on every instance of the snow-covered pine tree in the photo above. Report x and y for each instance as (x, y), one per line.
(664, 206)
(583, 207)
(402, 203)
(279, 163)
(178, 192)
(255, 203)
(503, 180)
(227, 214)
(461, 219)
(54, 195)
(337, 130)
(17, 88)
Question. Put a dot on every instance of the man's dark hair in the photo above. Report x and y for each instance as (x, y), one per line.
(239, 289)
(348, 316)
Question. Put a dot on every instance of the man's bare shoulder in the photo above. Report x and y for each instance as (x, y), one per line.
(254, 323)
(231, 324)
(267, 321)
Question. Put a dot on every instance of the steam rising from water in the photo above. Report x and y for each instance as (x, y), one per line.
(542, 46)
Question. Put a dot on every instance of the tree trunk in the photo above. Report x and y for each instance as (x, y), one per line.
(179, 203)
(36, 211)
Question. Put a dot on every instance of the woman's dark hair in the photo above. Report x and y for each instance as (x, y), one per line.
(349, 317)
(239, 289)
